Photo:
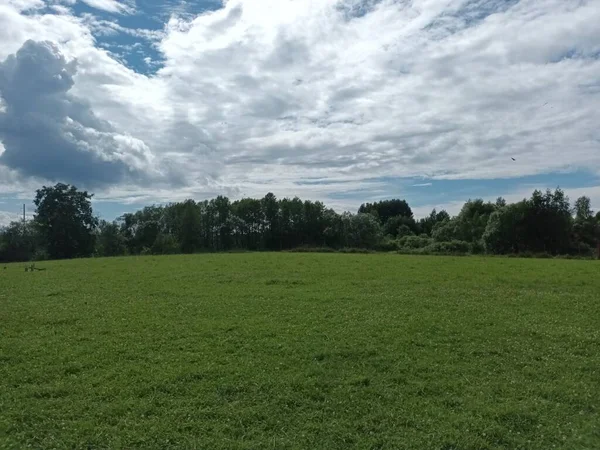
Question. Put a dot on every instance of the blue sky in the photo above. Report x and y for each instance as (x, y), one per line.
(343, 101)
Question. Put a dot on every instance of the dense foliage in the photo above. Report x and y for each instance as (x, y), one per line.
(65, 227)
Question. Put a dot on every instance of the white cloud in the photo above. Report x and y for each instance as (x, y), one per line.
(6, 217)
(61, 9)
(46, 132)
(259, 95)
(26, 5)
(301, 86)
(112, 6)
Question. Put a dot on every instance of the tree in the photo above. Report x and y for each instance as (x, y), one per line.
(583, 210)
(505, 230)
(190, 230)
(393, 224)
(250, 222)
(64, 227)
(270, 206)
(386, 209)
(334, 229)
(548, 222)
(109, 240)
(313, 223)
(586, 228)
(142, 228)
(446, 231)
(165, 244)
(404, 230)
(426, 224)
(363, 230)
(65, 220)
(19, 241)
(472, 220)
(222, 207)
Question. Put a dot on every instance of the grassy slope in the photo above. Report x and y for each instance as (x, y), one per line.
(301, 351)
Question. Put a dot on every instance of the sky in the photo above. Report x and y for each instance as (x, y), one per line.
(345, 101)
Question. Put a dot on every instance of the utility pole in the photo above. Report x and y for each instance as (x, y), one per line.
(23, 212)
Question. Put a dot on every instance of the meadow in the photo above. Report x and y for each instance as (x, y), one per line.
(301, 351)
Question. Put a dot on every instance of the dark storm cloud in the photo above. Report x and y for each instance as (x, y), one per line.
(48, 133)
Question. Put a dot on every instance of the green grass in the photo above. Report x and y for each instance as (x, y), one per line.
(311, 351)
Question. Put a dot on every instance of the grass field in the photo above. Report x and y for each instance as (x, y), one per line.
(311, 351)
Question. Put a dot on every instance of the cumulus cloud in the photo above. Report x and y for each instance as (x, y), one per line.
(48, 133)
(7, 217)
(258, 96)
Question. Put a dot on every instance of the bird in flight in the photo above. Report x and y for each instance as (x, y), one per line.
(513, 159)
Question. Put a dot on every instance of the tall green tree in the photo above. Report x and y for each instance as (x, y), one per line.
(586, 228)
(583, 209)
(472, 220)
(386, 209)
(142, 228)
(425, 225)
(222, 207)
(362, 230)
(505, 231)
(19, 241)
(270, 206)
(392, 226)
(548, 222)
(109, 240)
(190, 229)
(65, 220)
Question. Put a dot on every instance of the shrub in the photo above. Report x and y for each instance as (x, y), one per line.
(449, 248)
(387, 245)
(308, 249)
(414, 242)
(165, 244)
(355, 250)
(477, 248)
(40, 255)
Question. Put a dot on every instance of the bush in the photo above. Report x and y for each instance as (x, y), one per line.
(404, 230)
(542, 255)
(308, 249)
(449, 248)
(445, 231)
(387, 245)
(414, 242)
(477, 248)
(165, 244)
(355, 250)
(40, 255)
(581, 249)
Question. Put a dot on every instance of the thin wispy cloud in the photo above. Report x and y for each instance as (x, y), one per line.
(112, 6)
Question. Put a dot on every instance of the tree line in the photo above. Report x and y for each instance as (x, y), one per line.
(64, 226)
